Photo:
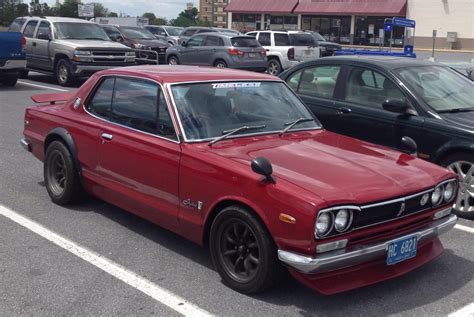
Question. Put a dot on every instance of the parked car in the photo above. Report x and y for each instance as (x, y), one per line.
(286, 48)
(165, 32)
(380, 99)
(219, 50)
(141, 40)
(12, 57)
(234, 160)
(327, 48)
(193, 30)
(69, 48)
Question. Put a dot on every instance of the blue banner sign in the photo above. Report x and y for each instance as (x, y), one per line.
(403, 22)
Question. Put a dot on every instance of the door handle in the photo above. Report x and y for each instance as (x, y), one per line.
(34, 43)
(344, 110)
(107, 136)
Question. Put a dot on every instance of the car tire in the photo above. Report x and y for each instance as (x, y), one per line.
(243, 251)
(274, 67)
(63, 73)
(9, 82)
(220, 64)
(463, 165)
(60, 177)
(173, 60)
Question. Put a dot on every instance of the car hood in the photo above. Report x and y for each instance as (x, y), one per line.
(91, 44)
(152, 43)
(336, 168)
(463, 120)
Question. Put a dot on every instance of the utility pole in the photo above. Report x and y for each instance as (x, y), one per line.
(212, 12)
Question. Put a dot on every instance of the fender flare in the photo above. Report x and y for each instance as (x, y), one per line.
(452, 147)
(64, 135)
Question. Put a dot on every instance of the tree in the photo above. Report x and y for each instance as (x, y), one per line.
(68, 8)
(186, 18)
(154, 20)
(41, 9)
(10, 9)
(100, 10)
(112, 15)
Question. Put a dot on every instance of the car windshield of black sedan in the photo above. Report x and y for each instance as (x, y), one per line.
(209, 110)
(440, 87)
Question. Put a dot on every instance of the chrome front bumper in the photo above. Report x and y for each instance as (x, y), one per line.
(338, 259)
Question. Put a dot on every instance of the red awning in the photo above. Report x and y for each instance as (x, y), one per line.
(261, 6)
(355, 7)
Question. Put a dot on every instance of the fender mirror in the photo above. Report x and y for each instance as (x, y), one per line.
(408, 145)
(262, 166)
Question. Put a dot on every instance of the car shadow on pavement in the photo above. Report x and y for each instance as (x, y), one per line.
(444, 276)
(148, 230)
(51, 80)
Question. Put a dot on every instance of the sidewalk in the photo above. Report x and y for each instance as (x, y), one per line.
(416, 49)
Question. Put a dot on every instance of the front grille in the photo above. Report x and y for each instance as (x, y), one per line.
(109, 57)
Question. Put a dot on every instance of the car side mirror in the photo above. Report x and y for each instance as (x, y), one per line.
(184, 44)
(471, 75)
(408, 145)
(262, 166)
(395, 106)
(116, 38)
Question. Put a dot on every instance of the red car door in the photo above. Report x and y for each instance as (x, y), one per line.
(138, 154)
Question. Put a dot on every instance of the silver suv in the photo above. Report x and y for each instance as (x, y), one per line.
(69, 48)
(219, 50)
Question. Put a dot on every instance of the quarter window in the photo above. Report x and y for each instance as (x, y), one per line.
(43, 29)
(317, 81)
(370, 88)
(30, 29)
(213, 41)
(282, 39)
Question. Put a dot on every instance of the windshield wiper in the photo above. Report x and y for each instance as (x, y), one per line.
(456, 110)
(291, 124)
(228, 133)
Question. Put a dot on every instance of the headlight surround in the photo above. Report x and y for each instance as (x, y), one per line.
(82, 53)
(324, 224)
(437, 195)
(342, 220)
(449, 191)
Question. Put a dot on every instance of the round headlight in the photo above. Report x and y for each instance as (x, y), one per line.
(341, 223)
(448, 193)
(424, 199)
(323, 224)
(436, 195)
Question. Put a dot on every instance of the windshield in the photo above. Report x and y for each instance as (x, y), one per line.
(440, 87)
(80, 31)
(137, 34)
(172, 31)
(208, 110)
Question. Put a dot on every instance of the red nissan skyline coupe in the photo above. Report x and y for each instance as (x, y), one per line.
(235, 161)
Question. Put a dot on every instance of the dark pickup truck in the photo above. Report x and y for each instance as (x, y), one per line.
(12, 57)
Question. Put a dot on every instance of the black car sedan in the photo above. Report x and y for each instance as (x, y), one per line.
(148, 48)
(381, 99)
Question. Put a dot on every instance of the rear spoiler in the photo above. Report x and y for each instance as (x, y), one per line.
(52, 98)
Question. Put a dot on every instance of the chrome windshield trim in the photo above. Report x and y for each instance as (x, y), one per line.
(187, 140)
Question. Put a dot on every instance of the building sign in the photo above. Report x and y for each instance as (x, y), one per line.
(403, 22)
(85, 10)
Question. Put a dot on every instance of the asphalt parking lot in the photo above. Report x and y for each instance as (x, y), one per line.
(96, 259)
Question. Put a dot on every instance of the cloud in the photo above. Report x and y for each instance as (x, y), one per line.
(161, 8)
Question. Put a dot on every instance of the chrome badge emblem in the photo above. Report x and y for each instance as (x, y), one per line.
(402, 209)
(189, 203)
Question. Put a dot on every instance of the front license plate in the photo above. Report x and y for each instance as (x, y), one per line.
(252, 55)
(401, 250)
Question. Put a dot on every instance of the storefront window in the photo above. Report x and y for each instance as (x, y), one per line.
(333, 28)
(245, 22)
(368, 31)
(279, 22)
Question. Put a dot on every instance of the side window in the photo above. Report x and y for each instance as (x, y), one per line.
(188, 33)
(101, 103)
(294, 80)
(111, 31)
(281, 39)
(370, 88)
(16, 25)
(264, 39)
(43, 31)
(30, 29)
(212, 41)
(319, 81)
(254, 34)
(196, 40)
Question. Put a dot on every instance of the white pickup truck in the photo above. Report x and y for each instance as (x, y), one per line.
(286, 48)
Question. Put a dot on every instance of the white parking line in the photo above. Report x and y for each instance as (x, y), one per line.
(40, 86)
(466, 311)
(145, 286)
(464, 228)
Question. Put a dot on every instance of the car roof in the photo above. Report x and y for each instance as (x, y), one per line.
(70, 20)
(181, 73)
(389, 62)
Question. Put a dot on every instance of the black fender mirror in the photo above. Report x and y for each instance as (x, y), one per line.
(395, 106)
(262, 166)
(408, 145)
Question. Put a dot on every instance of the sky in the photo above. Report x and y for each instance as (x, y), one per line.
(161, 8)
